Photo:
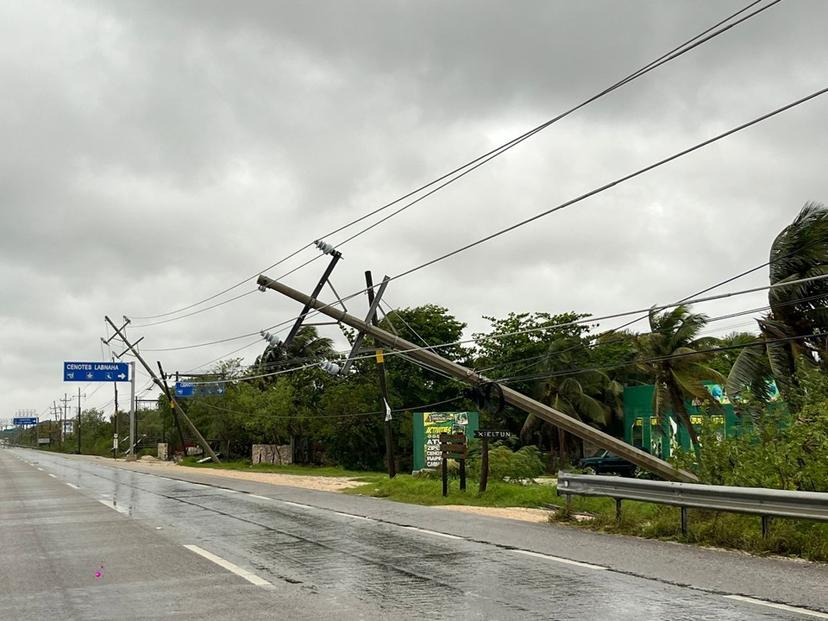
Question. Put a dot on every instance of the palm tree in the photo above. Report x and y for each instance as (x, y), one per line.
(669, 354)
(801, 251)
(795, 330)
(590, 396)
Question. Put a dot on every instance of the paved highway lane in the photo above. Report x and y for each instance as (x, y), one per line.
(237, 549)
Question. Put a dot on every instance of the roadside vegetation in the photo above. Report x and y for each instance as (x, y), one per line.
(335, 424)
(802, 539)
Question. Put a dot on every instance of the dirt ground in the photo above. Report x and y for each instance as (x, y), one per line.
(331, 484)
(540, 516)
(324, 484)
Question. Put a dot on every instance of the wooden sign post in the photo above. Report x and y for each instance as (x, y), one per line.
(485, 435)
(453, 446)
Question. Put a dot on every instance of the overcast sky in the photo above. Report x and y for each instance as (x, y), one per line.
(154, 153)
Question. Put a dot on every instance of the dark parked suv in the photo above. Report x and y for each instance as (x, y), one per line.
(606, 462)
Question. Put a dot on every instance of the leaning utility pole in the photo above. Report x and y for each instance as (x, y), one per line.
(389, 432)
(163, 386)
(511, 396)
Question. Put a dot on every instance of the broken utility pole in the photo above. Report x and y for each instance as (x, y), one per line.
(511, 396)
(163, 386)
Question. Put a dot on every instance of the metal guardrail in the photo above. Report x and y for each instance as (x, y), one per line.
(760, 501)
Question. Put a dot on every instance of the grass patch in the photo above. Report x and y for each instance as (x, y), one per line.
(799, 538)
(301, 469)
(421, 491)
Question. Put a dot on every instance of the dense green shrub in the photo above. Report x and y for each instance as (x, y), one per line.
(521, 465)
(778, 450)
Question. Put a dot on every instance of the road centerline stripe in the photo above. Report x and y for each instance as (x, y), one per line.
(112, 505)
(296, 504)
(558, 559)
(432, 532)
(761, 602)
(243, 573)
(356, 517)
(73, 486)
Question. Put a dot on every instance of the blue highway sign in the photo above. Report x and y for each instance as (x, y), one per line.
(184, 390)
(95, 372)
(25, 421)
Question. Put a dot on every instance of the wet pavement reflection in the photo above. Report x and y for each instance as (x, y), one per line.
(398, 571)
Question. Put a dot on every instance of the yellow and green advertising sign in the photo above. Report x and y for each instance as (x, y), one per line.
(427, 429)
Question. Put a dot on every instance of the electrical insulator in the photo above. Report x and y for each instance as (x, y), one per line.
(262, 288)
(274, 340)
(330, 368)
(324, 246)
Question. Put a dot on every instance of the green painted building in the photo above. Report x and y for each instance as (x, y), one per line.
(641, 426)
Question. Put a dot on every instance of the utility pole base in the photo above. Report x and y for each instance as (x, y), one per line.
(131, 458)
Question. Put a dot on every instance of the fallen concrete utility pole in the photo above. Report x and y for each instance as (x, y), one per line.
(512, 397)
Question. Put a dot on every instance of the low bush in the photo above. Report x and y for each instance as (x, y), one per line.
(504, 464)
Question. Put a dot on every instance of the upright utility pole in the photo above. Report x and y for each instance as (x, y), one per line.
(115, 440)
(163, 386)
(79, 420)
(64, 411)
(511, 396)
(170, 397)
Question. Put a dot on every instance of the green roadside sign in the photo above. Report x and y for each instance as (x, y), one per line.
(427, 429)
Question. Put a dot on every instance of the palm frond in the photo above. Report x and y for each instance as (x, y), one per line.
(749, 367)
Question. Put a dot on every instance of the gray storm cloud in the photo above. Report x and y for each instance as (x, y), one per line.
(155, 153)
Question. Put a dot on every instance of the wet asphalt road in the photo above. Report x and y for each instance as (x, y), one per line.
(308, 555)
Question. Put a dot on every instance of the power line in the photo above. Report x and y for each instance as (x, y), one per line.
(330, 416)
(672, 54)
(162, 321)
(472, 165)
(590, 194)
(621, 327)
(538, 216)
(590, 319)
(595, 342)
(576, 371)
(612, 184)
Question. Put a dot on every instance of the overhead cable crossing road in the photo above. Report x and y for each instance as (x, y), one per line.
(540, 215)
(461, 171)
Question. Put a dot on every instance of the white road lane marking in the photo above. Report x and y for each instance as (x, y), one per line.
(72, 486)
(785, 607)
(558, 559)
(52, 475)
(247, 575)
(295, 504)
(356, 517)
(259, 497)
(432, 532)
(112, 505)
(41, 469)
